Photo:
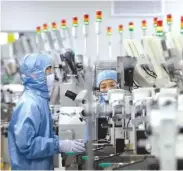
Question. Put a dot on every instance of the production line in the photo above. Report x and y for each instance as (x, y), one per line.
(138, 125)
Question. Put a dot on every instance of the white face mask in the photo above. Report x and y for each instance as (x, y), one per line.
(50, 80)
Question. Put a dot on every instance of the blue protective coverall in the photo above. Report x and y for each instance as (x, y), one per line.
(31, 139)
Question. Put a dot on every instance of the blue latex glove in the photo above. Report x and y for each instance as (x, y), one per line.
(71, 146)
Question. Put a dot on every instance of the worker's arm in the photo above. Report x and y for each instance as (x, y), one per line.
(27, 129)
(53, 134)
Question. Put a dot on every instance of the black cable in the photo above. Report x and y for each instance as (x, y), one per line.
(136, 84)
(127, 128)
(80, 69)
(147, 68)
(83, 76)
(165, 70)
(128, 122)
(148, 72)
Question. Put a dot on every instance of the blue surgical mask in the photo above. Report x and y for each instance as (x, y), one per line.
(104, 97)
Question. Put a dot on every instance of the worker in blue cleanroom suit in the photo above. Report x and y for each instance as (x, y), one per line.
(106, 80)
(31, 139)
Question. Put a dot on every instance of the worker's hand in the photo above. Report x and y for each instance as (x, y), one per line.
(80, 140)
(71, 146)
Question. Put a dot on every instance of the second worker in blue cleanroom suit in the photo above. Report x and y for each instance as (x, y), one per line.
(106, 80)
(31, 139)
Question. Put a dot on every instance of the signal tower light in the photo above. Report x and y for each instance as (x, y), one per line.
(181, 24)
(120, 28)
(45, 27)
(144, 25)
(159, 28)
(131, 26)
(86, 19)
(109, 31)
(54, 26)
(169, 19)
(63, 24)
(155, 21)
(98, 16)
(38, 29)
(75, 22)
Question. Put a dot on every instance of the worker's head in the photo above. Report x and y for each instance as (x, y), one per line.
(36, 71)
(107, 80)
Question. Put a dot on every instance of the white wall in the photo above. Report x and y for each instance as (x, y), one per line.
(25, 16)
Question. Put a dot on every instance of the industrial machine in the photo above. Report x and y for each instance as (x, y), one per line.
(139, 127)
(128, 135)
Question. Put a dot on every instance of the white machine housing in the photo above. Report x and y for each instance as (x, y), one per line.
(116, 98)
(70, 126)
(164, 130)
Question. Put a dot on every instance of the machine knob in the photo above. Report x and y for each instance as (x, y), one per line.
(83, 113)
(138, 114)
(56, 78)
(81, 119)
(95, 89)
(181, 92)
(70, 95)
(181, 130)
(157, 90)
(60, 66)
